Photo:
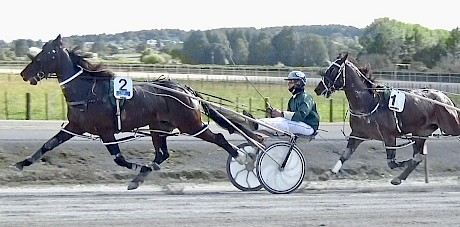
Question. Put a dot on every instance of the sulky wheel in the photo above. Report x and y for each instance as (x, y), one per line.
(272, 176)
(244, 177)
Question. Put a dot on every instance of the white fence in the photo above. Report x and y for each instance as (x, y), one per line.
(395, 79)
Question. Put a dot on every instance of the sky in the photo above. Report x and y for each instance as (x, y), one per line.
(46, 19)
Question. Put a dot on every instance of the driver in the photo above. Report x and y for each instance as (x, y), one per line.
(301, 116)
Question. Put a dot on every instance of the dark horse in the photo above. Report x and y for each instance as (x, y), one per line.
(423, 112)
(161, 105)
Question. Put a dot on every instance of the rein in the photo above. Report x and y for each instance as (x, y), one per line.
(227, 100)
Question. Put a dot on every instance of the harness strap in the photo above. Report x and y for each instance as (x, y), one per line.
(76, 103)
(201, 131)
(364, 114)
(397, 122)
(402, 145)
(72, 77)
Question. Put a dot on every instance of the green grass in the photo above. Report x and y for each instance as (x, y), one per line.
(47, 102)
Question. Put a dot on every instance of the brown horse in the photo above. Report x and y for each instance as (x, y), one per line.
(378, 113)
(161, 105)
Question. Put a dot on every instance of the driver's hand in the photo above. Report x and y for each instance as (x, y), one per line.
(277, 113)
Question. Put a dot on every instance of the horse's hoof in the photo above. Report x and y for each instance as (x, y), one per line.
(396, 181)
(325, 176)
(393, 164)
(242, 158)
(18, 166)
(419, 157)
(133, 185)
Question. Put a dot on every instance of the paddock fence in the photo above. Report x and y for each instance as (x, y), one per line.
(55, 106)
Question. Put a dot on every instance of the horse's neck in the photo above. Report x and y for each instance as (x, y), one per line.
(360, 97)
(83, 88)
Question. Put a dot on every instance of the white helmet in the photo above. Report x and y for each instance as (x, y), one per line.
(297, 75)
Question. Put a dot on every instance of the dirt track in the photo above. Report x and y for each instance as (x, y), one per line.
(334, 203)
(78, 184)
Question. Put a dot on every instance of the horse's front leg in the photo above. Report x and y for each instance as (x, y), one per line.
(55, 141)
(352, 144)
(114, 149)
(411, 164)
(161, 149)
(390, 148)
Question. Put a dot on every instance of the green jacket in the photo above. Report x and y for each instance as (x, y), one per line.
(304, 108)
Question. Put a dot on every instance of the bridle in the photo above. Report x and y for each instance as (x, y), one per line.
(51, 56)
(341, 75)
(43, 73)
(332, 82)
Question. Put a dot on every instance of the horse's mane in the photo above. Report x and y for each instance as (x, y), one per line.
(80, 58)
(367, 73)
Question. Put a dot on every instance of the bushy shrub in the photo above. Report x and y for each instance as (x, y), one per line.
(153, 59)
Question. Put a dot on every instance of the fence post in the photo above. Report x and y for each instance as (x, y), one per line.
(266, 99)
(425, 152)
(6, 105)
(28, 106)
(63, 108)
(282, 104)
(331, 119)
(207, 99)
(236, 105)
(46, 107)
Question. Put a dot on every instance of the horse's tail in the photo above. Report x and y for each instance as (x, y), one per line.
(216, 116)
(211, 112)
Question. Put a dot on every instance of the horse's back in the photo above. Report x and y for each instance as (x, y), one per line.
(443, 110)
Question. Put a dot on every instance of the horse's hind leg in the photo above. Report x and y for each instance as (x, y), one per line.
(114, 149)
(346, 154)
(55, 141)
(411, 163)
(219, 140)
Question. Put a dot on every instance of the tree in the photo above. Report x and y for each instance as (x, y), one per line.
(21, 48)
(453, 43)
(219, 47)
(196, 47)
(431, 55)
(285, 44)
(312, 51)
(239, 47)
(99, 47)
(261, 50)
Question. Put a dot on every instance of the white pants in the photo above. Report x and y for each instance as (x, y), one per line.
(284, 124)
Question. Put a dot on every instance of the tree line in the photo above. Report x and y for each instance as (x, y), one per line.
(384, 44)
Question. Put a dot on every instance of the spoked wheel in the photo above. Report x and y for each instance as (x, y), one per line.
(273, 176)
(244, 177)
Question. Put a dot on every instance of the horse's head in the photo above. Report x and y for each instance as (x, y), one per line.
(333, 78)
(44, 63)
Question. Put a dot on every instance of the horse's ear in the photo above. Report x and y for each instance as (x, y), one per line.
(346, 56)
(58, 41)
